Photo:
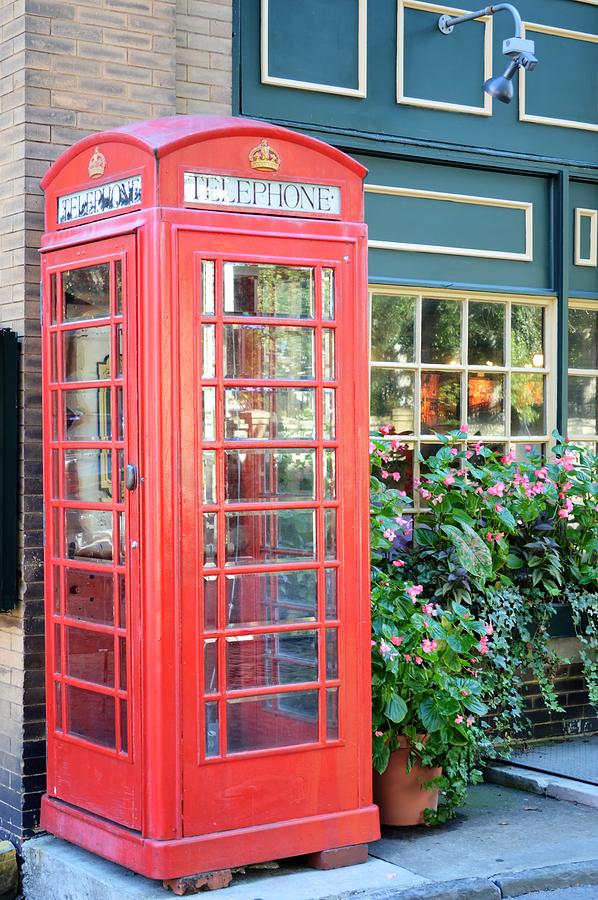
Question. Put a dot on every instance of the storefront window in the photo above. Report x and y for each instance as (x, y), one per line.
(583, 372)
(440, 360)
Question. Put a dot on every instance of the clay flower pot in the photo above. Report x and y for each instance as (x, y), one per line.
(399, 794)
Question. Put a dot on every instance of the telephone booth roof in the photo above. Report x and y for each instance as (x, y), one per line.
(160, 149)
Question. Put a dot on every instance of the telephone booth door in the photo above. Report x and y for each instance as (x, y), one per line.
(266, 525)
(91, 523)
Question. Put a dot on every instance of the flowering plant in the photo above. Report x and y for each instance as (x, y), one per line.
(426, 658)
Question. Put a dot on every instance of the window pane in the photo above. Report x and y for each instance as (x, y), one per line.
(329, 474)
(209, 476)
(263, 351)
(89, 596)
(86, 354)
(86, 293)
(269, 413)
(486, 403)
(210, 603)
(90, 656)
(328, 294)
(440, 401)
(210, 548)
(208, 351)
(124, 727)
(208, 413)
(527, 336)
(264, 475)
(207, 286)
(486, 334)
(583, 405)
(332, 714)
(87, 475)
(393, 328)
(271, 598)
(264, 290)
(88, 534)
(210, 666)
(212, 742)
(583, 338)
(330, 533)
(328, 357)
(90, 716)
(87, 415)
(331, 653)
(392, 400)
(441, 331)
(286, 535)
(276, 720)
(527, 404)
(329, 414)
(331, 602)
(266, 660)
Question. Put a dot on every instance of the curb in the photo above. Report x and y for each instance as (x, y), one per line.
(546, 785)
(462, 889)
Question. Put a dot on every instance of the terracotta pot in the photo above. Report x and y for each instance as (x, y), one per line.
(399, 794)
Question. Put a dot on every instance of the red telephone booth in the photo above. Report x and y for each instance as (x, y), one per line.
(206, 489)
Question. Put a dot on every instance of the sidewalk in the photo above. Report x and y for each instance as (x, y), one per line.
(504, 843)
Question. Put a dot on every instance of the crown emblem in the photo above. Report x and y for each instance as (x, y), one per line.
(264, 158)
(97, 164)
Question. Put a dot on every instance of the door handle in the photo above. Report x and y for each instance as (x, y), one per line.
(131, 477)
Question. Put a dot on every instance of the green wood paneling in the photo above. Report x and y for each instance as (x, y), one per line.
(583, 279)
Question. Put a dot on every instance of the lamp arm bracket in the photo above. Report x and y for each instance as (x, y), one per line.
(447, 23)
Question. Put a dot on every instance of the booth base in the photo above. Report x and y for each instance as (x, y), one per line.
(208, 852)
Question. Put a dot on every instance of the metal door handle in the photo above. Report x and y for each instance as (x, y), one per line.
(131, 477)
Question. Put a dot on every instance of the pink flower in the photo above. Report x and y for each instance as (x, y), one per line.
(384, 473)
(541, 473)
(567, 485)
(464, 428)
(461, 472)
(508, 458)
(454, 451)
(428, 610)
(385, 429)
(396, 476)
(397, 641)
(429, 646)
(567, 509)
(425, 493)
(407, 657)
(469, 720)
(489, 629)
(378, 733)
(478, 448)
(469, 454)
(418, 660)
(372, 448)
(373, 643)
(465, 692)
(449, 478)
(390, 535)
(414, 590)
(398, 563)
(483, 648)
(497, 490)
(438, 499)
(528, 448)
(498, 507)
(458, 720)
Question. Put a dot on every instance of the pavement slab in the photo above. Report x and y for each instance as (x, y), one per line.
(574, 758)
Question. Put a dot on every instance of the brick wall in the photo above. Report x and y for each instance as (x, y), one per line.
(579, 717)
(67, 70)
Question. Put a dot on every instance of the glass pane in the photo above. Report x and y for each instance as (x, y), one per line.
(122, 539)
(56, 589)
(210, 549)
(210, 666)
(263, 475)
(90, 656)
(210, 603)
(486, 337)
(118, 280)
(271, 598)
(527, 336)
(392, 400)
(332, 714)
(264, 290)
(122, 650)
(583, 338)
(57, 649)
(209, 476)
(86, 354)
(269, 413)
(583, 405)
(399, 470)
(331, 653)
(268, 352)
(328, 415)
(331, 603)
(393, 328)
(53, 317)
(88, 534)
(54, 357)
(86, 293)
(124, 727)
(87, 475)
(527, 404)
(207, 286)
(89, 596)
(440, 402)
(56, 544)
(286, 535)
(120, 416)
(58, 706)
(208, 413)
(441, 331)
(330, 533)
(328, 294)
(524, 451)
(329, 474)
(211, 742)
(328, 357)
(87, 415)
(54, 414)
(276, 720)
(90, 716)
(266, 660)
(486, 403)
(208, 351)
(122, 602)
(121, 475)
(55, 487)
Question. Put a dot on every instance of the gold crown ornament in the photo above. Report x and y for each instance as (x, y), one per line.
(97, 164)
(264, 158)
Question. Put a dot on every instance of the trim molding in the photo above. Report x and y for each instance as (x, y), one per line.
(524, 206)
(592, 215)
(402, 98)
(359, 91)
(562, 33)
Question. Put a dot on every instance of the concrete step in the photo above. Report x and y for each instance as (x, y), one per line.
(544, 784)
(9, 873)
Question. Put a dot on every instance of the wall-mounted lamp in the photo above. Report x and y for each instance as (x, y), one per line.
(518, 48)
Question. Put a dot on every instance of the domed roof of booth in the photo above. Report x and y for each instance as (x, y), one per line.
(170, 133)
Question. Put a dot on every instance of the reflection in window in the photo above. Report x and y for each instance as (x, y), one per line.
(274, 720)
(282, 535)
(268, 351)
(90, 716)
(486, 334)
(527, 336)
(265, 475)
(271, 598)
(441, 331)
(486, 403)
(86, 293)
(86, 353)
(268, 660)
(392, 399)
(88, 534)
(87, 414)
(266, 290)
(583, 372)
(440, 401)
(393, 328)
(263, 413)
(583, 409)
(527, 404)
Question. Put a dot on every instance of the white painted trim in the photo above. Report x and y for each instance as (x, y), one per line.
(592, 215)
(402, 98)
(525, 206)
(359, 91)
(550, 120)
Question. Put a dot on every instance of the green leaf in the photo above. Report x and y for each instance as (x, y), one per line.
(395, 709)
(430, 716)
(459, 516)
(507, 518)
(514, 562)
(472, 552)
(475, 705)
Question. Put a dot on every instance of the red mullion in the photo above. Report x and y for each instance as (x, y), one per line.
(270, 383)
(240, 630)
(269, 567)
(85, 625)
(85, 504)
(271, 506)
(95, 688)
(270, 320)
(76, 324)
(94, 384)
(275, 689)
(93, 566)
(220, 516)
(320, 587)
